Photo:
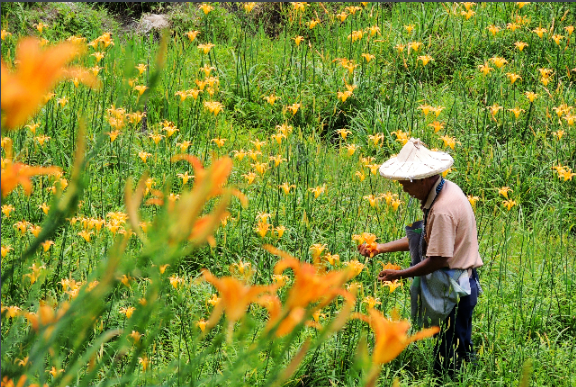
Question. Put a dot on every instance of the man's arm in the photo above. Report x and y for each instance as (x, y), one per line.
(426, 266)
(390, 247)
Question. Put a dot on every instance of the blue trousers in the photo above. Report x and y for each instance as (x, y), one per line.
(454, 341)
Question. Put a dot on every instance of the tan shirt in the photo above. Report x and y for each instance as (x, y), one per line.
(451, 230)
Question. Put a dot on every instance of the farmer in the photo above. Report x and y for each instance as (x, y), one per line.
(444, 252)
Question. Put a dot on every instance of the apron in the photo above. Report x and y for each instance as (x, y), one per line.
(434, 295)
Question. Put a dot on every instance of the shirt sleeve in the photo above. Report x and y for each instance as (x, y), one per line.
(441, 235)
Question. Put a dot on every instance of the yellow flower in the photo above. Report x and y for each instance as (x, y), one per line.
(32, 128)
(42, 139)
(40, 26)
(415, 46)
(353, 9)
(293, 108)
(395, 204)
(343, 133)
(391, 336)
(313, 23)
(342, 16)
(185, 177)
(127, 311)
(271, 98)
(219, 141)
(250, 176)
(298, 39)
(135, 336)
(425, 109)
(425, 59)
(7, 209)
(277, 160)
(509, 204)
(468, 14)
(355, 267)
(85, 234)
(562, 109)
(504, 191)
(361, 175)
(202, 325)
(557, 38)
(254, 154)
(356, 35)
(113, 135)
(285, 129)
(248, 7)
(278, 138)
(498, 61)
(373, 30)
(260, 167)
(569, 29)
(531, 96)
(317, 190)
(5, 34)
(473, 200)
(494, 109)
(376, 138)
(513, 77)
(156, 137)
(409, 28)
(62, 101)
(516, 111)
(144, 361)
(280, 231)
(493, 29)
(373, 168)
(192, 35)
(372, 200)
(258, 144)
(343, 95)
(468, 5)
(449, 141)
(176, 281)
(368, 57)
(520, 45)
(144, 155)
(95, 70)
(438, 126)
(570, 119)
(286, 187)
(262, 228)
(299, 6)
(205, 48)
(316, 250)
(206, 8)
(352, 148)
(540, 31)
(140, 89)
(11, 312)
(400, 47)
(559, 134)
(213, 107)
(184, 145)
(512, 27)
(6, 250)
(35, 230)
(401, 137)
(239, 154)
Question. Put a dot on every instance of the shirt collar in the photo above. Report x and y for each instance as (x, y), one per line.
(431, 196)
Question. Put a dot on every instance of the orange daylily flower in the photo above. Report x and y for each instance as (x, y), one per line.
(235, 296)
(37, 72)
(391, 338)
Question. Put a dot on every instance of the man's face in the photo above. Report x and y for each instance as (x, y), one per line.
(418, 189)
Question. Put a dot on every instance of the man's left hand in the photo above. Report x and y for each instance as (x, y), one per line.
(389, 275)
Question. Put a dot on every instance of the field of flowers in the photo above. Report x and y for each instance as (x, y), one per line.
(183, 207)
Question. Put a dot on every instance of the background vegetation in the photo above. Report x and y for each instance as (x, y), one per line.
(526, 315)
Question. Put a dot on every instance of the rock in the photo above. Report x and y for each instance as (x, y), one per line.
(152, 22)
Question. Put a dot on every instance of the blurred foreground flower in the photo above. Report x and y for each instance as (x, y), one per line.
(38, 71)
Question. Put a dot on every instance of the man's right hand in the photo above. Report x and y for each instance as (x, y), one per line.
(365, 250)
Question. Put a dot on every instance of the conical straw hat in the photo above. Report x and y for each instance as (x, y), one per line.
(415, 161)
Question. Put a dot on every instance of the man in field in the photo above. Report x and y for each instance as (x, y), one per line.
(444, 251)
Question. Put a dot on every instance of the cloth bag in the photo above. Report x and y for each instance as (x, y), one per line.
(433, 296)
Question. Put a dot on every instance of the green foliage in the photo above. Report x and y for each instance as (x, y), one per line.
(527, 310)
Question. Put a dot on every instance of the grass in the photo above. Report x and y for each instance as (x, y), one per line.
(526, 313)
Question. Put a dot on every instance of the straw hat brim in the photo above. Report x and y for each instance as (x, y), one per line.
(415, 162)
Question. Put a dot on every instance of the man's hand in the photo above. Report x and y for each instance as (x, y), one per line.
(365, 250)
(389, 275)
